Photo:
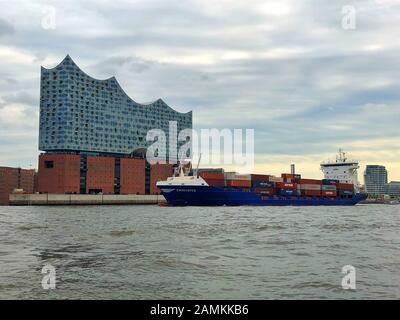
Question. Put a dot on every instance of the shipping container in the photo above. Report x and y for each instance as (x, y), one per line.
(265, 190)
(260, 177)
(237, 176)
(310, 181)
(287, 176)
(230, 175)
(215, 182)
(286, 185)
(238, 183)
(310, 187)
(328, 193)
(263, 184)
(328, 187)
(275, 179)
(345, 192)
(288, 192)
(329, 182)
(212, 175)
(220, 170)
(345, 186)
(311, 193)
(243, 177)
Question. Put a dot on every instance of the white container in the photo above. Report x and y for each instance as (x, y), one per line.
(245, 177)
(230, 175)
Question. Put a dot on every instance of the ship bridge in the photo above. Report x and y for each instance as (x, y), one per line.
(341, 169)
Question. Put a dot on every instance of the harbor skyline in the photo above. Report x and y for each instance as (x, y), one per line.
(306, 94)
(199, 157)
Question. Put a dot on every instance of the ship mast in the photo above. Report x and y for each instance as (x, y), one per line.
(342, 156)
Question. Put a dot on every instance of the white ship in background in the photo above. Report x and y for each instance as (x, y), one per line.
(341, 169)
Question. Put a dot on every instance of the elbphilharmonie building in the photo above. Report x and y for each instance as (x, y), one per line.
(94, 135)
(84, 114)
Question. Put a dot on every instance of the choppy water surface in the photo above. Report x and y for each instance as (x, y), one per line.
(150, 252)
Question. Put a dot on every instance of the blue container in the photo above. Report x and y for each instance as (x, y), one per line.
(329, 181)
(288, 192)
(263, 184)
(345, 192)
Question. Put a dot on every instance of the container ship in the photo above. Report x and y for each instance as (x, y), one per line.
(214, 187)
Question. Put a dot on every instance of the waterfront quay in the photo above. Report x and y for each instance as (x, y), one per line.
(83, 199)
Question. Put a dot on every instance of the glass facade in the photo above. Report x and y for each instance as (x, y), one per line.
(376, 180)
(81, 114)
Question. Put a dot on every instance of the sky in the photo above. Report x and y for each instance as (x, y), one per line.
(308, 76)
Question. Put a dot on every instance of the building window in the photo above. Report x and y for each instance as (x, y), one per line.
(49, 164)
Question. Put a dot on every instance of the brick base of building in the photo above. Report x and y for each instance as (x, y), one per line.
(80, 174)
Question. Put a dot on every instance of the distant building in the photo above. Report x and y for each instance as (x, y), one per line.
(16, 178)
(94, 134)
(376, 180)
(394, 189)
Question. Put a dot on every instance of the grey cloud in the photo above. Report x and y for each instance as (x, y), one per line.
(298, 103)
(131, 63)
(6, 28)
(20, 97)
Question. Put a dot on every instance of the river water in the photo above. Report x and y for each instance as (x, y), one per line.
(151, 252)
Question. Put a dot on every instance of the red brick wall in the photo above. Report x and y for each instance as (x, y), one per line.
(8, 181)
(159, 172)
(63, 177)
(27, 180)
(132, 176)
(14, 178)
(100, 174)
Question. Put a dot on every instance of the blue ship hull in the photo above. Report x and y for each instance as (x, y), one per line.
(217, 196)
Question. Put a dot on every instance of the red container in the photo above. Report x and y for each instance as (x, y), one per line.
(286, 185)
(345, 186)
(215, 182)
(311, 193)
(238, 183)
(310, 181)
(328, 193)
(260, 177)
(275, 179)
(265, 190)
(287, 176)
(211, 175)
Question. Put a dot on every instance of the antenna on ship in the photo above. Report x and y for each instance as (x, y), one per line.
(342, 156)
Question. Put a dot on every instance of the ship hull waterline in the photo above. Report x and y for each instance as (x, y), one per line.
(217, 196)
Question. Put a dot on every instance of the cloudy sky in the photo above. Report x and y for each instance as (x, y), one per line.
(294, 70)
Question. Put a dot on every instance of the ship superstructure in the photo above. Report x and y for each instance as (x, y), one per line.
(341, 169)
